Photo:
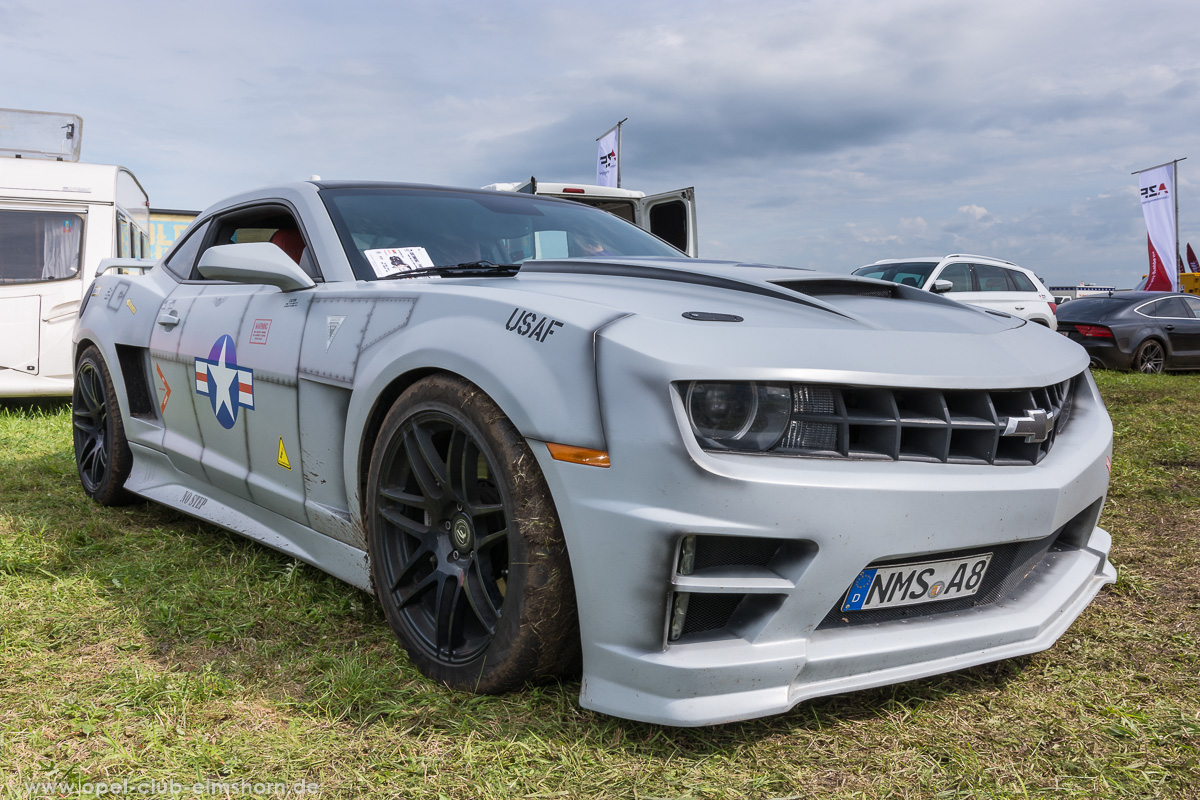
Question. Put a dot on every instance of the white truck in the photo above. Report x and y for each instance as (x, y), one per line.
(58, 219)
(671, 216)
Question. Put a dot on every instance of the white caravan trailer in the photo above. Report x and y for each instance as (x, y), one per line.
(58, 219)
(671, 216)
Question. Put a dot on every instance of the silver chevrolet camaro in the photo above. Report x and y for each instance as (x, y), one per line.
(543, 438)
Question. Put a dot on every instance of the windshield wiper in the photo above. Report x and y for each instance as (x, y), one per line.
(458, 270)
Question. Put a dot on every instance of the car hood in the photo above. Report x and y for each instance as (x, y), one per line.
(762, 295)
(688, 319)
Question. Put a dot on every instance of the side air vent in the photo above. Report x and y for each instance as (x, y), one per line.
(137, 385)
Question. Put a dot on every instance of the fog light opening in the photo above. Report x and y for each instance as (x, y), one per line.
(679, 605)
(687, 555)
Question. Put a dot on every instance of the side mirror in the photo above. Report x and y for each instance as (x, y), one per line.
(254, 262)
(941, 286)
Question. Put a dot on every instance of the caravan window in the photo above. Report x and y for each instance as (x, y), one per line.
(39, 246)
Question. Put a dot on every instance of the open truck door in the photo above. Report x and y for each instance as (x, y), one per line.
(671, 216)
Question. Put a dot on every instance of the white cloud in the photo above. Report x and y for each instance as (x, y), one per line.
(930, 124)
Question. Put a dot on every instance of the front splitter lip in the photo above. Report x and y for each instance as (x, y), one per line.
(782, 675)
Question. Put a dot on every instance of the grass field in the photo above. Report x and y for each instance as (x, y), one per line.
(137, 644)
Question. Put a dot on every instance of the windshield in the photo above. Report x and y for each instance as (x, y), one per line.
(910, 273)
(387, 231)
(39, 246)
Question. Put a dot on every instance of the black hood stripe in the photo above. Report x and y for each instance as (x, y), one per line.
(675, 275)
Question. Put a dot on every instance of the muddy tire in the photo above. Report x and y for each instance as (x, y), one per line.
(102, 453)
(467, 555)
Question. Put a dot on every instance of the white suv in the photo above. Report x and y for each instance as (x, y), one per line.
(975, 280)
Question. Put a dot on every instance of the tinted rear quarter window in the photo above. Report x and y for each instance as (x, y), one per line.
(1019, 282)
(1170, 307)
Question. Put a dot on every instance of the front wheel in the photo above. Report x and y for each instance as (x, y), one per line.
(101, 451)
(1150, 357)
(467, 554)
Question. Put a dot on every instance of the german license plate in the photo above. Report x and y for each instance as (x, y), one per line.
(908, 584)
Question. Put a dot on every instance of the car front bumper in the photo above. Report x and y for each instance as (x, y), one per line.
(624, 528)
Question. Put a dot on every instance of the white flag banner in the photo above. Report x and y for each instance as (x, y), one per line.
(1157, 189)
(607, 158)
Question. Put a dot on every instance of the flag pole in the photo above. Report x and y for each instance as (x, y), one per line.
(617, 128)
(1174, 177)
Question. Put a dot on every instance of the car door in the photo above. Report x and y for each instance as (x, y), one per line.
(1192, 336)
(996, 291)
(1181, 327)
(230, 353)
(671, 216)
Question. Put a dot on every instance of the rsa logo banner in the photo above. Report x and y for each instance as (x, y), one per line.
(227, 386)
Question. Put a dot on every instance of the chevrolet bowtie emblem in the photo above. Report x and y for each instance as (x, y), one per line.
(1036, 427)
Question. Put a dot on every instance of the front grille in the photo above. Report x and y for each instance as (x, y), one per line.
(1002, 427)
(1010, 564)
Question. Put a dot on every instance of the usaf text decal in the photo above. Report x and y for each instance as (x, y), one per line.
(531, 324)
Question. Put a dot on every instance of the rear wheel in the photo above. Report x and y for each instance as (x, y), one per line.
(467, 555)
(101, 451)
(1150, 356)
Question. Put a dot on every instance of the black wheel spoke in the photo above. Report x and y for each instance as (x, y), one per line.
(420, 558)
(406, 524)
(483, 509)
(480, 599)
(445, 613)
(423, 437)
(422, 586)
(403, 498)
(456, 465)
(486, 543)
(423, 461)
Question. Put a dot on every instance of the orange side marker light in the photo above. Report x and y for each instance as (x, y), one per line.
(578, 455)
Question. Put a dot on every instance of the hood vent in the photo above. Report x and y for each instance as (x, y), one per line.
(822, 288)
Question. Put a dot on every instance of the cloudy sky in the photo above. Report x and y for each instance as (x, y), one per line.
(824, 134)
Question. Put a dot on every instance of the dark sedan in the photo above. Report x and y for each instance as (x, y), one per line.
(1141, 331)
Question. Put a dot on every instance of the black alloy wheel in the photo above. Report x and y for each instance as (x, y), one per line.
(1150, 357)
(102, 453)
(467, 556)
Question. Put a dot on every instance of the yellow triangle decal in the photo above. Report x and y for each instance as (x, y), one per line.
(283, 459)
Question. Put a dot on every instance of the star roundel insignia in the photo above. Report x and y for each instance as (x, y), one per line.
(227, 386)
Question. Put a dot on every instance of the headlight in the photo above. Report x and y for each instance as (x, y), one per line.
(738, 416)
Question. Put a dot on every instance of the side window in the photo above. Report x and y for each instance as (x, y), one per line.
(1019, 282)
(1194, 304)
(124, 248)
(959, 275)
(183, 257)
(991, 278)
(1170, 307)
(272, 224)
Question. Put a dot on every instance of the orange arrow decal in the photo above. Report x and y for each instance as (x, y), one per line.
(166, 389)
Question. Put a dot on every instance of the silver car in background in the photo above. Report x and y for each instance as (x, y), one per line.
(542, 437)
